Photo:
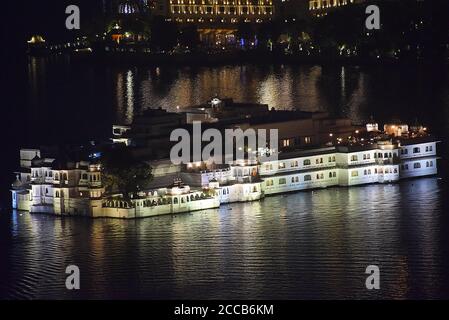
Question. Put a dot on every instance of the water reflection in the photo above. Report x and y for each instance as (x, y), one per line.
(384, 92)
(301, 245)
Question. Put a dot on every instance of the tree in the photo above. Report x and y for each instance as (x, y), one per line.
(245, 31)
(164, 34)
(189, 36)
(268, 33)
(122, 172)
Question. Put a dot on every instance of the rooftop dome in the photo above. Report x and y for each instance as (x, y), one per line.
(17, 184)
(128, 7)
(36, 39)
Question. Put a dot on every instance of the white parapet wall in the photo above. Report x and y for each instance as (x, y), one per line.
(140, 210)
(295, 181)
(240, 192)
(418, 167)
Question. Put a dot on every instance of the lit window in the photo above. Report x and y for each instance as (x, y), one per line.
(354, 174)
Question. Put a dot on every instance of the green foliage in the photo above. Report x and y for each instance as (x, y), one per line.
(245, 31)
(189, 36)
(122, 172)
(164, 34)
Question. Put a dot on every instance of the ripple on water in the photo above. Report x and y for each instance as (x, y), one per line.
(300, 245)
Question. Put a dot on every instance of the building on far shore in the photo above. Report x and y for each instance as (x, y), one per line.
(217, 20)
(322, 7)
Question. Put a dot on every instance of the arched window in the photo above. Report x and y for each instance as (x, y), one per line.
(175, 200)
(306, 162)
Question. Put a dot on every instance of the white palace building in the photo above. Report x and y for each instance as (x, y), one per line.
(46, 185)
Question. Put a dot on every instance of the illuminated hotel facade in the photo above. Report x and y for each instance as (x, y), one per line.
(217, 20)
(221, 11)
(321, 7)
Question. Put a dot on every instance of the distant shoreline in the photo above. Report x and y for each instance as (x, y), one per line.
(237, 58)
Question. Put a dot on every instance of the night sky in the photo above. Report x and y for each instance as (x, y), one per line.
(21, 19)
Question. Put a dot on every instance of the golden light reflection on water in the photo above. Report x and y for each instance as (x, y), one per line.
(278, 86)
(129, 96)
(313, 244)
(348, 91)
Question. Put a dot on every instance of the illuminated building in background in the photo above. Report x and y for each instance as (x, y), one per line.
(221, 11)
(126, 7)
(321, 7)
(217, 19)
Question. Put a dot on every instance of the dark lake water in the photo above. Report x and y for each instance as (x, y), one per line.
(301, 245)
